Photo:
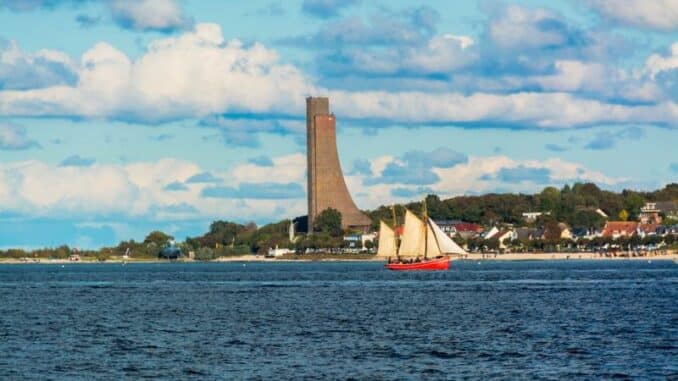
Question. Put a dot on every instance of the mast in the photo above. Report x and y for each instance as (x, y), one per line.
(395, 228)
(425, 229)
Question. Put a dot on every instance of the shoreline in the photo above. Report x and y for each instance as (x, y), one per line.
(670, 256)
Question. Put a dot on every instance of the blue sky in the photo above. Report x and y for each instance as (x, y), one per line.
(118, 116)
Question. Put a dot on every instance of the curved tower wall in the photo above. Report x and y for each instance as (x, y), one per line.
(326, 184)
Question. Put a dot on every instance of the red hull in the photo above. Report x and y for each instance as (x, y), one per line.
(431, 265)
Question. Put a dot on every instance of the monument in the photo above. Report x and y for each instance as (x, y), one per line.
(326, 185)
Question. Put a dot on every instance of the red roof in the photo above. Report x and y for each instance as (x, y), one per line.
(619, 228)
(468, 227)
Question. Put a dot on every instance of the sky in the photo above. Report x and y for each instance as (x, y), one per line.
(118, 117)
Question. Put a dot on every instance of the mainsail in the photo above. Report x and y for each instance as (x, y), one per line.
(418, 240)
(432, 248)
(445, 243)
(387, 243)
(413, 241)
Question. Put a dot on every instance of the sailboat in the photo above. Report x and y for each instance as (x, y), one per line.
(423, 245)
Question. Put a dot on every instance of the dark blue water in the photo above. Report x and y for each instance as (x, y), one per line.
(518, 320)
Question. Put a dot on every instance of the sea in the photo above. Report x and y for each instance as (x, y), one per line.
(531, 320)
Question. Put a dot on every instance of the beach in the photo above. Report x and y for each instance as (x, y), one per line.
(666, 256)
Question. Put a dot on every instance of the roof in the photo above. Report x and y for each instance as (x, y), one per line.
(468, 227)
(503, 233)
(448, 222)
(619, 227)
(666, 206)
(526, 233)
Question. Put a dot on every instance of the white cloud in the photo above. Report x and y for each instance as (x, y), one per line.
(21, 70)
(198, 74)
(138, 191)
(147, 14)
(657, 63)
(521, 28)
(545, 110)
(195, 74)
(654, 14)
(480, 174)
(285, 169)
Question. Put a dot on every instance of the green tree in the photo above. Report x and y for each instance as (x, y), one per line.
(328, 221)
(633, 201)
(587, 219)
(549, 199)
(158, 238)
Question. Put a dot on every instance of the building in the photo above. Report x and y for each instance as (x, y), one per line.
(491, 233)
(652, 212)
(278, 252)
(616, 229)
(465, 230)
(528, 234)
(649, 214)
(448, 226)
(602, 213)
(357, 241)
(532, 216)
(326, 184)
(668, 208)
(645, 230)
(505, 237)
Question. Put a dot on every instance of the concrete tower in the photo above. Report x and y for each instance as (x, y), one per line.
(326, 185)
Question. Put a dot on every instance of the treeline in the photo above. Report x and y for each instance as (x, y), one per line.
(575, 205)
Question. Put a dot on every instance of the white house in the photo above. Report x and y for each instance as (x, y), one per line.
(491, 233)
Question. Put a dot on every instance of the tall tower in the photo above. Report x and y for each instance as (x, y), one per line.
(326, 185)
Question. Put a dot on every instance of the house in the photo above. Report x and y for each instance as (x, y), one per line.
(645, 230)
(565, 232)
(357, 241)
(465, 230)
(560, 231)
(668, 208)
(505, 237)
(663, 230)
(585, 233)
(277, 252)
(616, 229)
(649, 214)
(601, 213)
(532, 216)
(448, 226)
(491, 233)
(527, 234)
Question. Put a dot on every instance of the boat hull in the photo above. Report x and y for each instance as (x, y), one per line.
(431, 265)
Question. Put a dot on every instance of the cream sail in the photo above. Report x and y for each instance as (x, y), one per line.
(413, 241)
(421, 240)
(444, 242)
(387, 241)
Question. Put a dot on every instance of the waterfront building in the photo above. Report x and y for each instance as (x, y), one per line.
(652, 212)
(326, 184)
(649, 214)
(532, 216)
(616, 229)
